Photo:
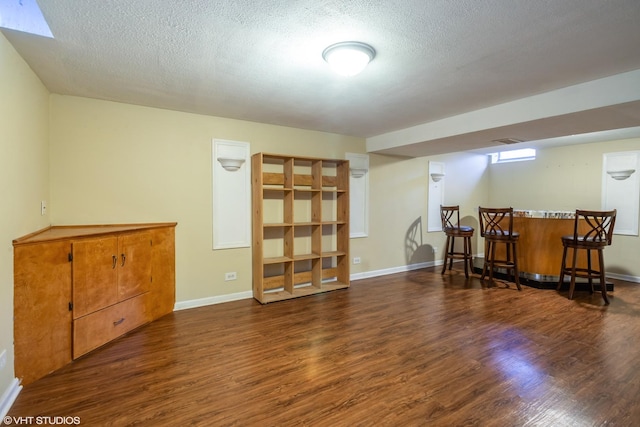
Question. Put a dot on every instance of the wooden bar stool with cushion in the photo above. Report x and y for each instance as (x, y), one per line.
(453, 230)
(496, 226)
(598, 233)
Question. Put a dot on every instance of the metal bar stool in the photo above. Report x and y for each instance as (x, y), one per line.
(496, 226)
(598, 235)
(452, 231)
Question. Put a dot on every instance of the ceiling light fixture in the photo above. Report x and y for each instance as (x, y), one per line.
(348, 58)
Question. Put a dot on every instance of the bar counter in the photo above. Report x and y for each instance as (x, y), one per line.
(540, 245)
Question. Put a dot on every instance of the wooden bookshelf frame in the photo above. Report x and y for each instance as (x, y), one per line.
(321, 262)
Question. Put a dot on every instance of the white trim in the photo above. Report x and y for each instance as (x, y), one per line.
(9, 396)
(623, 195)
(358, 195)
(231, 195)
(625, 277)
(435, 197)
(393, 270)
(219, 299)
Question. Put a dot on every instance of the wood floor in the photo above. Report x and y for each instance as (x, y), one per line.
(411, 349)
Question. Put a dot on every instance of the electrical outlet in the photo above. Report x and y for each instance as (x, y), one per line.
(357, 260)
(435, 249)
(43, 207)
(230, 276)
(3, 359)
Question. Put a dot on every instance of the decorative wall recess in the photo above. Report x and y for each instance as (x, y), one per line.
(231, 194)
(359, 194)
(621, 189)
(436, 196)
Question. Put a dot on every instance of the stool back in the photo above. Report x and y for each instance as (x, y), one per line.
(600, 226)
(447, 214)
(495, 221)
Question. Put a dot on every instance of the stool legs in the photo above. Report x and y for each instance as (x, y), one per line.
(446, 255)
(563, 268)
(451, 251)
(450, 254)
(487, 251)
(572, 286)
(589, 272)
(603, 283)
(468, 260)
(516, 273)
(511, 262)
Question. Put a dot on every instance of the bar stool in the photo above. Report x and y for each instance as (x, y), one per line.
(598, 235)
(496, 226)
(452, 231)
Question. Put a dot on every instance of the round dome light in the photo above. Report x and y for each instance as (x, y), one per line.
(348, 58)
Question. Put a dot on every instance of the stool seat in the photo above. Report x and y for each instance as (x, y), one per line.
(595, 236)
(461, 230)
(453, 230)
(584, 241)
(506, 235)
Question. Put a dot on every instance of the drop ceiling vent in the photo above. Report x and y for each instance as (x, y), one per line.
(508, 141)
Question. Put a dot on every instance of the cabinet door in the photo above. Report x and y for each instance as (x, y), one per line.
(42, 320)
(163, 271)
(94, 274)
(134, 264)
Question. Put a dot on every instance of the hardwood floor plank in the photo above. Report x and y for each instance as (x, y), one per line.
(416, 348)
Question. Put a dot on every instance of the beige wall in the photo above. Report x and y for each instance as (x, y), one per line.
(24, 175)
(399, 190)
(566, 178)
(115, 163)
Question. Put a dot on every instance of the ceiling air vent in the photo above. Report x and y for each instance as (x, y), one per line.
(508, 141)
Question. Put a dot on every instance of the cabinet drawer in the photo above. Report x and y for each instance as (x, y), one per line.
(98, 328)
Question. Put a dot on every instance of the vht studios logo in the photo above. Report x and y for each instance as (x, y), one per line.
(41, 420)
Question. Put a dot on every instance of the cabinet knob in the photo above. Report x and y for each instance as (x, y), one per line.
(124, 258)
(115, 261)
(117, 322)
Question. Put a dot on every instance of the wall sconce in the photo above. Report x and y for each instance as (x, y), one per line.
(357, 172)
(230, 164)
(621, 175)
(436, 177)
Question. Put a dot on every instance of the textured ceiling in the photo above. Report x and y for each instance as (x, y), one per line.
(262, 60)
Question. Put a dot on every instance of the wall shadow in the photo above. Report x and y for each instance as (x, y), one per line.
(414, 248)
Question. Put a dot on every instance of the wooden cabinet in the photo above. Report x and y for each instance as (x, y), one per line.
(78, 287)
(108, 271)
(300, 226)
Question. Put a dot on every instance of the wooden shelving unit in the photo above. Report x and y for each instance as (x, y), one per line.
(300, 226)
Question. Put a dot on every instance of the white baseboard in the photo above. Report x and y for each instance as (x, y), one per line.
(393, 270)
(194, 303)
(9, 396)
(183, 305)
(625, 277)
